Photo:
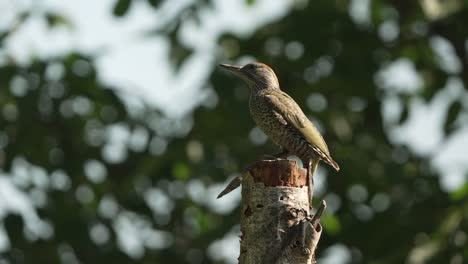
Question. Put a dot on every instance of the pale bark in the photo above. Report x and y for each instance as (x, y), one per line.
(274, 225)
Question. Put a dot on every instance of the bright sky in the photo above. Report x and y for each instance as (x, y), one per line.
(128, 59)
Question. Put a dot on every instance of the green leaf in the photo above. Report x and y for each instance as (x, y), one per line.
(181, 171)
(250, 2)
(404, 114)
(55, 19)
(331, 224)
(452, 115)
(154, 3)
(459, 194)
(121, 7)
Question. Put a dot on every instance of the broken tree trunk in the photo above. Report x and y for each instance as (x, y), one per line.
(275, 225)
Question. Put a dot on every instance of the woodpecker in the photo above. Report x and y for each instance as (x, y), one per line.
(282, 120)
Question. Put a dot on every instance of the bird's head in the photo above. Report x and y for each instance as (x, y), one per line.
(256, 74)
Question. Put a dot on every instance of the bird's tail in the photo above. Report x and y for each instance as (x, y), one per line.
(311, 169)
(326, 158)
(333, 163)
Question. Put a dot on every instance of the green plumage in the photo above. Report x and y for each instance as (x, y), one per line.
(280, 117)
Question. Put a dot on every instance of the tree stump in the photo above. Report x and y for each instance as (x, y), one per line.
(275, 225)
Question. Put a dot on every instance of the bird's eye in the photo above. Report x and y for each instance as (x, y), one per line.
(249, 66)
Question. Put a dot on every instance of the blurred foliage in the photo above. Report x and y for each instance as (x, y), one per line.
(400, 215)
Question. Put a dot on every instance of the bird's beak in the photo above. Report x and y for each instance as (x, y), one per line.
(234, 69)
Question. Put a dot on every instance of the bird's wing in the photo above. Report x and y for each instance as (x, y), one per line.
(285, 106)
